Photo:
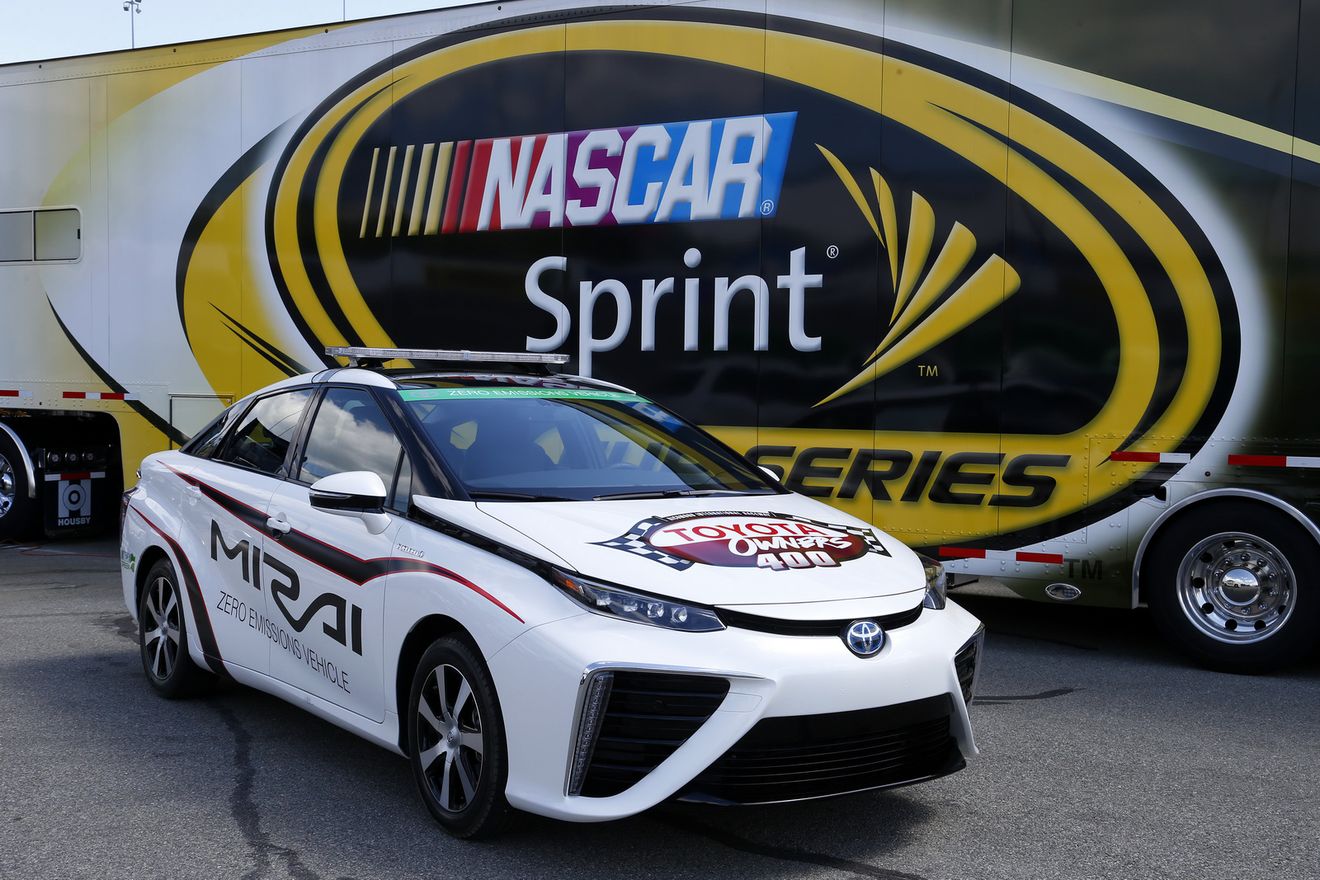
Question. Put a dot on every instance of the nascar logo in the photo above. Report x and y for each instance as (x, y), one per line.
(709, 169)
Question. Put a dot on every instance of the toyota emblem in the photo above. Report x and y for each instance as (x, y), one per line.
(864, 638)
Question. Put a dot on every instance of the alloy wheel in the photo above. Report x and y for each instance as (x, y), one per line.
(161, 642)
(449, 738)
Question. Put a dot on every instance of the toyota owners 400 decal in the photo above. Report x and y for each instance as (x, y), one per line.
(735, 539)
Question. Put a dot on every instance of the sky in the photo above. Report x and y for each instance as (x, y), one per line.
(39, 29)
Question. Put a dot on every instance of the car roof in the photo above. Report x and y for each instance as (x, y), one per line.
(412, 378)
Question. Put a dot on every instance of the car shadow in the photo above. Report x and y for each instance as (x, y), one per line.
(314, 800)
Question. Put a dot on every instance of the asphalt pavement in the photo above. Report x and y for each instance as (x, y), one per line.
(1104, 754)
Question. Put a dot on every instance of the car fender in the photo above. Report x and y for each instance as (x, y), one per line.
(493, 599)
(154, 520)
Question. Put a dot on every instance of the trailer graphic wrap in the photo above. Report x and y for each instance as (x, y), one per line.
(962, 270)
(852, 234)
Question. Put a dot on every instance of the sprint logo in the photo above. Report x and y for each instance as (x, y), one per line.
(710, 169)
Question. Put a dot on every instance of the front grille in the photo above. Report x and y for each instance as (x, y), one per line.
(775, 625)
(811, 756)
(648, 716)
(964, 662)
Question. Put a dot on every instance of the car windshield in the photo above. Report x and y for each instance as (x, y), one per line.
(562, 444)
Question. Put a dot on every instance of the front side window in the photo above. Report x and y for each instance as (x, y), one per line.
(261, 440)
(350, 433)
(573, 444)
(402, 486)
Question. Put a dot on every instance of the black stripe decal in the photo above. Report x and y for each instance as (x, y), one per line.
(332, 559)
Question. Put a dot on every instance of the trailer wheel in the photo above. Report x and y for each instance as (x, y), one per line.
(18, 512)
(1237, 586)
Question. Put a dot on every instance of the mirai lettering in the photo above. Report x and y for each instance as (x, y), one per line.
(346, 625)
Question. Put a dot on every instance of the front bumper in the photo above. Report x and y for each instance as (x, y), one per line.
(540, 678)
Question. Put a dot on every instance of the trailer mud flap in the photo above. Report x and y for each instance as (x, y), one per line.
(69, 502)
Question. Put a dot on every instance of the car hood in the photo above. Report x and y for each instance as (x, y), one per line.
(722, 550)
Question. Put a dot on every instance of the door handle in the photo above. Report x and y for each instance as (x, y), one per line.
(278, 526)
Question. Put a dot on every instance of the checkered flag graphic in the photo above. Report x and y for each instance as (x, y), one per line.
(633, 541)
(868, 537)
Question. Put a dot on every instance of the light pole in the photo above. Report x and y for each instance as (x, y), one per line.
(136, 6)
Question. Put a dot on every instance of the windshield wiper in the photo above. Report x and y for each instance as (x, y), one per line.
(665, 493)
(514, 496)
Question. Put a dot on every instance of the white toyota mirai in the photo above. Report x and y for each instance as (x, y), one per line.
(548, 592)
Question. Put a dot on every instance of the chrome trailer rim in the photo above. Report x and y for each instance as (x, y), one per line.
(450, 742)
(1236, 588)
(161, 642)
(8, 486)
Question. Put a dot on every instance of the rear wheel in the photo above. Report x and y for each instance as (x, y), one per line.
(163, 635)
(456, 739)
(1236, 585)
(17, 510)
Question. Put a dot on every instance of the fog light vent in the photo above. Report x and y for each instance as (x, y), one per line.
(967, 662)
(593, 710)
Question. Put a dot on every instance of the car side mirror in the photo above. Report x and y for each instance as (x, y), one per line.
(775, 474)
(352, 492)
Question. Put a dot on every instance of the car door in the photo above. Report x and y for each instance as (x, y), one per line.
(225, 507)
(328, 568)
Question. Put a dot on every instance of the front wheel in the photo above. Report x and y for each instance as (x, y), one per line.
(1237, 586)
(456, 740)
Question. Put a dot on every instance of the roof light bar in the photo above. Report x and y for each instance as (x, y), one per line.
(357, 356)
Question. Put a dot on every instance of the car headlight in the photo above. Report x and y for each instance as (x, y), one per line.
(937, 590)
(637, 607)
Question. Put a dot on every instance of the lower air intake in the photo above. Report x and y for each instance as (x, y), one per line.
(811, 756)
(648, 716)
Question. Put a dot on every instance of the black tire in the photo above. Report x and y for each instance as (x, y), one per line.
(18, 512)
(165, 659)
(1197, 610)
(466, 808)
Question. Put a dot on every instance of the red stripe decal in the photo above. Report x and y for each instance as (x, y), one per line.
(476, 185)
(455, 198)
(7, 393)
(1053, 558)
(75, 395)
(112, 395)
(961, 553)
(1259, 460)
(1135, 456)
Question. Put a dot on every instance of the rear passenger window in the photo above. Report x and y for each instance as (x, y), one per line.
(207, 440)
(262, 439)
(350, 433)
